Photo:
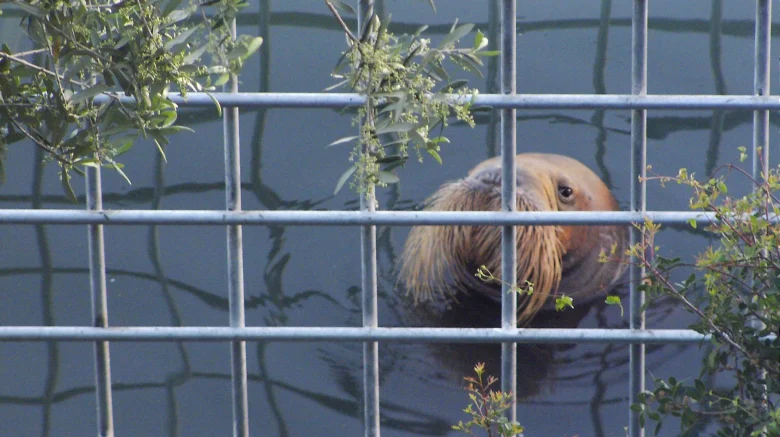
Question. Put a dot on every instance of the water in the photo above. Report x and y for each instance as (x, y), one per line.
(304, 276)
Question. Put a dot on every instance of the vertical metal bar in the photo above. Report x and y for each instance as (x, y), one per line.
(492, 78)
(235, 263)
(369, 287)
(716, 54)
(761, 87)
(508, 200)
(638, 202)
(97, 286)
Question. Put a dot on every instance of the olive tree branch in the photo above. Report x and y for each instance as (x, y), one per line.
(40, 143)
(40, 69)
(341, 21)
(656, 273)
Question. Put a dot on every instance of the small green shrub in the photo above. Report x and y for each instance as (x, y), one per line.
(735, 294)
(487, 408)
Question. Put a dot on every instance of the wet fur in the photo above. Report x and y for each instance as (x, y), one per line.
(442, 260)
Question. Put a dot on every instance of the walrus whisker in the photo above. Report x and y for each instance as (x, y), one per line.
(441, 261)
(425, 277)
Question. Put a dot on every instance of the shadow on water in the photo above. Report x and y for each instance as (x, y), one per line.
(600, 87)
(716, 124)
(47, 302)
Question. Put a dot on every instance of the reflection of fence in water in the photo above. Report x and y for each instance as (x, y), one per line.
(610, 356)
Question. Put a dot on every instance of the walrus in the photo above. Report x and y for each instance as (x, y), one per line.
(555, 259)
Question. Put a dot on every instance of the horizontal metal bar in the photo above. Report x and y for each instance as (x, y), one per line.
(347, 218)
(517, 101)
(407, 335)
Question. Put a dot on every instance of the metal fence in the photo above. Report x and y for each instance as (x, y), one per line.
(233, 218)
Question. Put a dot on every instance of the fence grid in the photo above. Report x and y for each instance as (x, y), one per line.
(507, 101)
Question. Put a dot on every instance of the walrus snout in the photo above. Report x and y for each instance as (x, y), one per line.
(490, 177)
(441, 260)
(529, 187)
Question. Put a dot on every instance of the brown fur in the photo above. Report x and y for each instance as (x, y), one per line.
(445, 258)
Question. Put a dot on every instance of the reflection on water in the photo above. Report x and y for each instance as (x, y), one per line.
(299, 276)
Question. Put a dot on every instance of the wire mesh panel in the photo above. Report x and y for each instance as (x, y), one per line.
(372, 336)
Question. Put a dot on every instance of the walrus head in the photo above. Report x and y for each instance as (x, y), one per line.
(555, 259)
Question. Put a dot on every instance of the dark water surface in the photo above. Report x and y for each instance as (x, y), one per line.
(305, 276)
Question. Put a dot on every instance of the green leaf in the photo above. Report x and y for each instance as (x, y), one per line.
(343, 179)
(387, 177)
(217, 69)
(488, 53)
(438, 73)
(118, 167)
(396, 127)
(332, 87)
(216, 103)
(562, 302)
(417, 138)
(615, 300)
(434, 154)
(420, 30)
(343, 140)
(30, 9)
(245, 47)
(222, 79)
(473, 59)
(65, 181)
(454, 85)
(480, 41)
(189, 69)
(466, 63)
(398, 162)
(122, 42)
(178, 15)
(170, 7)
(456, 34)
(180, 38)
(343, 7)
(169, 130)
(195, 54)
(438, 140)
(89, 93)
(389, 159)
(170, 119)
(381, 32)
(253, 45)
(160, 147)
(126, 145)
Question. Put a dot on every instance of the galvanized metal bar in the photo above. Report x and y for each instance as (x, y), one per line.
(761, 87)
(235, 263)
(638, 203)
(508, 201)
(497, 101)
(97, 286)
(350, 218)
(492, 77)
(369, 286)
(350, 334)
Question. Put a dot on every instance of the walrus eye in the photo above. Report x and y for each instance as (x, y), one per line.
(565, 192)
